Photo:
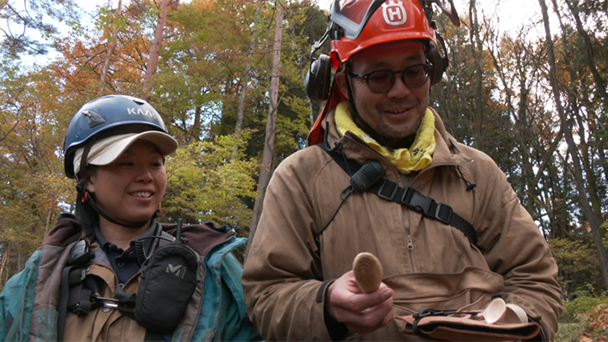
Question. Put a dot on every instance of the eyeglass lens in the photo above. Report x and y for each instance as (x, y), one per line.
(382, 80)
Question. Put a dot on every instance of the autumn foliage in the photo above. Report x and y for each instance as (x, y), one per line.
(548, 134)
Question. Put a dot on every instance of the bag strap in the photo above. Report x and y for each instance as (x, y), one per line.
(63, 301)
(75, 295)
(409, 197)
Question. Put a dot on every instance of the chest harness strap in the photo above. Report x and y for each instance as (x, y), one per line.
(409, 197)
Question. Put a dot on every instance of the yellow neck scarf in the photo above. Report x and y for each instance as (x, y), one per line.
(416, 158)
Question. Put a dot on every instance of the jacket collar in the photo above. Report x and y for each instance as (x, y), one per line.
(201, 237)
(446, 152)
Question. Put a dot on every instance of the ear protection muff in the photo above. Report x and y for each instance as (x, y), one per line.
(440, 62)
(318, 79)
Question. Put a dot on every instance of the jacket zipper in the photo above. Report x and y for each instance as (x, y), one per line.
(363, 144)
(410, 251)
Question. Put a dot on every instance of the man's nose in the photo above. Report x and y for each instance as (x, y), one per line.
(399, 88)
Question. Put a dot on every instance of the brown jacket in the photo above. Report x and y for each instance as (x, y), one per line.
(426, 263)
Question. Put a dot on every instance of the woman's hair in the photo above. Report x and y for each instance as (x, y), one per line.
(86, 216)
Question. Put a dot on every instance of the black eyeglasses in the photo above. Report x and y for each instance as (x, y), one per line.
(381, 81)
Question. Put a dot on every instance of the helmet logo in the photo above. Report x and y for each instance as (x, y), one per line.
(139, 111)
(394, 12)
(93, 118)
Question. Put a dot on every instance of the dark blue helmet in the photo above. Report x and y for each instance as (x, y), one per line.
(107, 116)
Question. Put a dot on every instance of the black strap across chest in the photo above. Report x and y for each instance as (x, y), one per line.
(409, 197)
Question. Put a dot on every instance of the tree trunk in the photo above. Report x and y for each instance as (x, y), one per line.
(521, 116)
(4, 262)
(603, 162)
(113, 42)
(311, 112)
(590, 60)
(265, 170)
(600, 84)
(588, 163)
(49, 217)
(573, 99)
(477, 58)
(572, 149)
(243, 96)
(19, 266)
(155, 51)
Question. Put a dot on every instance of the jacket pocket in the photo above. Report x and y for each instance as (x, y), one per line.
(471, 289)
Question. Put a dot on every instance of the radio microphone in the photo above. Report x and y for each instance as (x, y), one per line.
(368, 175)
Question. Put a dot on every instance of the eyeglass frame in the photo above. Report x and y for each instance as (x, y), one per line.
(427, 68)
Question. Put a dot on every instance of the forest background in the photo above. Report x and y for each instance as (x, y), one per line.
(227, 78)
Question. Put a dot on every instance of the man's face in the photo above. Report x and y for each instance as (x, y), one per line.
(396, 113)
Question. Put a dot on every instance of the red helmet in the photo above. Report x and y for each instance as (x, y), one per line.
(393, 20)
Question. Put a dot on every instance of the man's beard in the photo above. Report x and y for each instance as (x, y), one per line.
(389, 142)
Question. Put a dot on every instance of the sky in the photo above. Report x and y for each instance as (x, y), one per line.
(87, 5)
(512, 14)
(509, 15)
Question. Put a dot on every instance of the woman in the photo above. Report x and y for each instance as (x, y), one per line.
(111, 272)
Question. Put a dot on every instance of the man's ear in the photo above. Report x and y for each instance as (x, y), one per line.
(341, 82)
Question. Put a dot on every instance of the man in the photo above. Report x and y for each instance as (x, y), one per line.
(111, 272)
(298, 280)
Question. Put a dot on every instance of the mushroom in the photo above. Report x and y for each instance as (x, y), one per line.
(368, 271)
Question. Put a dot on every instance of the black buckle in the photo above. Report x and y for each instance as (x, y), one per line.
(448, 211)
(417, 201)
(427, 312)
(393, 191)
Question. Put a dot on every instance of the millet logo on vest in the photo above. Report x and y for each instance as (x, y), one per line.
(178, 270)
(139, 111)
(394, 12)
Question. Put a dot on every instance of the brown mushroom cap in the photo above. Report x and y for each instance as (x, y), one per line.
(368, 271)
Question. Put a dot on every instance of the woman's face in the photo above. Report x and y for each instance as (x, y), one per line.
(132, 186)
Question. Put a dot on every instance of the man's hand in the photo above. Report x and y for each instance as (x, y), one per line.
(360, 312)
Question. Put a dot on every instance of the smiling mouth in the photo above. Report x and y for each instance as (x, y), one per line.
(141, 194)
(397, 111)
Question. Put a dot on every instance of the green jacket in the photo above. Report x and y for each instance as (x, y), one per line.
(222, 314)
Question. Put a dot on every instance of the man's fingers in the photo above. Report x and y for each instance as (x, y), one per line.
(360, 312)
(370, 319)
(363, 301)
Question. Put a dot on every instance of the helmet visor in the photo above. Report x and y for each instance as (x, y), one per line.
(105, 151)
(353, 16)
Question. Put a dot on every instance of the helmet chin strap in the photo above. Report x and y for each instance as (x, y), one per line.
(91, 201)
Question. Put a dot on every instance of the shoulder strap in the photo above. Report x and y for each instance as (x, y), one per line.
(63, 301)
(75, 295)
(409, 197)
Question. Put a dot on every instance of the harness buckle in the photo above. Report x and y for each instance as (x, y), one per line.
(388, 189)
(447, 213)
(415, 200)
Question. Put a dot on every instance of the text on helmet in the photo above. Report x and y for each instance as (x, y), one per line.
(139, 111)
